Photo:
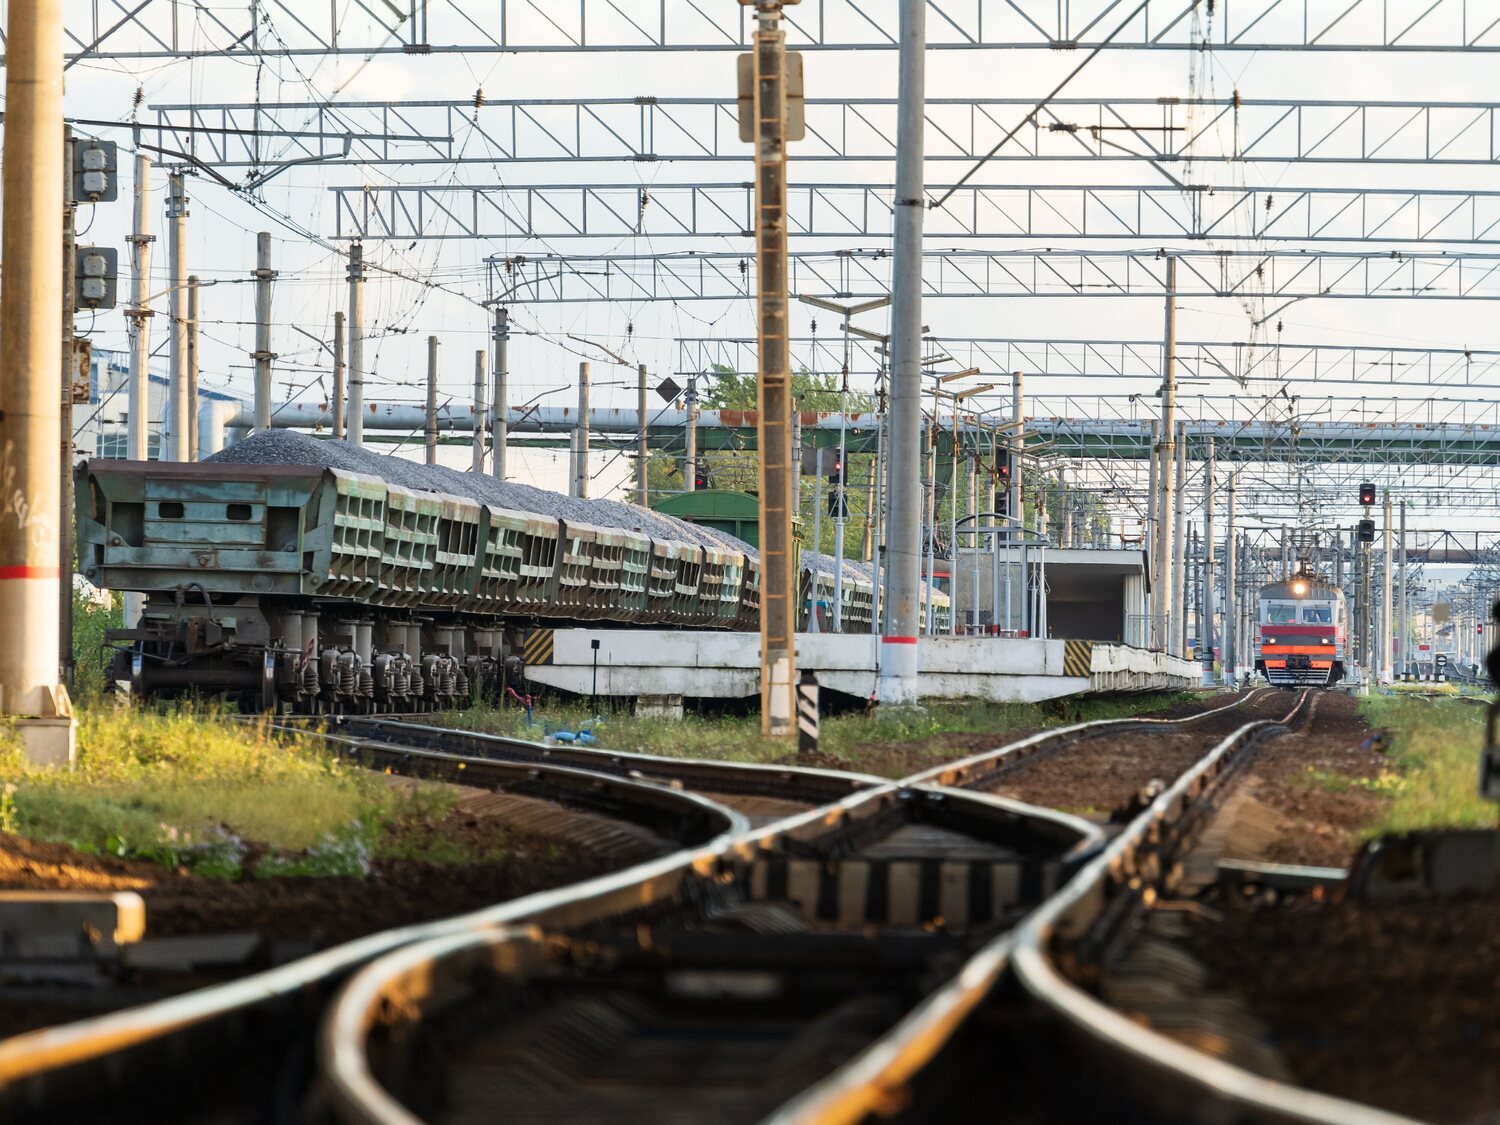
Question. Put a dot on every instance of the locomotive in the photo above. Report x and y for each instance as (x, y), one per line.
(310, 589)
(1302, 632)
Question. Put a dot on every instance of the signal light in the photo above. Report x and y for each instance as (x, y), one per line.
(1002, 467)
(1366, 531)
(1367, 494)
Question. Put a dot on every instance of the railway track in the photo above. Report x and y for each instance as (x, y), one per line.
(882, 913)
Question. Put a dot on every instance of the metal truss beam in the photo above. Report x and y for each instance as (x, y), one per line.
(1245, 364)
(648, 130)
(1276, 274)
(1156, 213)
(136, 29)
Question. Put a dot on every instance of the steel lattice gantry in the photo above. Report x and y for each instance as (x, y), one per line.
(832, 210)
(1165, 130)
(1241, 362)
(842, 274)
(151, 29)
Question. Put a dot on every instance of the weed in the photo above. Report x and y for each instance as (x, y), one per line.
(1433, 779)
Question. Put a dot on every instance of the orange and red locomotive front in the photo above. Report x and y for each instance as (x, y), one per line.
(1302, 632)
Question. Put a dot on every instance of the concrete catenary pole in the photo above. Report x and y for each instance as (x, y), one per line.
(768, 128)
(690, 438)
(66, 547)
(1017, 498)
(1152, 637)
(138, 317)
(263, 357)
(642, 438)
(192, 365)
(1403, 629)
(177, 388)
(430, 429)
(1231, 591)
(1207, 633)
(338, 374)
(500, 406)
(477, 464)
(355, 428)
(581, 437)
(1387, 618)
(1164, 483)
(898, 656)
(1177, 614)
(31, 305)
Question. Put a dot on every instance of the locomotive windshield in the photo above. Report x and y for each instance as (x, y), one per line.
(1281, 613)
(1317, 614)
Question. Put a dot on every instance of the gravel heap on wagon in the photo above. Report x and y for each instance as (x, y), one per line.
(288, 447)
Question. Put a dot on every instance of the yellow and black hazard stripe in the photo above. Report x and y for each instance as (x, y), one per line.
(1078, 658)
(538, 647)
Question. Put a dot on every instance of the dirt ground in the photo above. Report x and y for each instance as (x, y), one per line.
(315, 912)
(1106, 773)
(1391, 1004)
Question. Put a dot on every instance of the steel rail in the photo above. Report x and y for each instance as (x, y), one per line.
(39, 1068)
(797, 783)
(432, 973)
(973, 769)
(1131, 871)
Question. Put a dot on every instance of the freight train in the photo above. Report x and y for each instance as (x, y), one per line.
(1303, 632)
(311, 589)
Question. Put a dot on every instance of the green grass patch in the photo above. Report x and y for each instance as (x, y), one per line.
(1434, 755)
(196, 788)
(866, 741)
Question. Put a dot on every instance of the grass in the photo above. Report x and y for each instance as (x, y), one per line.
(890, 742)
(1434, 776)
(195, 788)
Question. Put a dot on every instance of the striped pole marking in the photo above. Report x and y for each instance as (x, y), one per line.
(807, 714)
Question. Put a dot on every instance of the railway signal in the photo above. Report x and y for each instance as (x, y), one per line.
(1367, 494)
(1366, 531)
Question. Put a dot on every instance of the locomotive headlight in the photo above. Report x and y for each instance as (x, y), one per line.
(1299, 587)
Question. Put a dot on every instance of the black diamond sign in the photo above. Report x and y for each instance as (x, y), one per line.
(668, 389)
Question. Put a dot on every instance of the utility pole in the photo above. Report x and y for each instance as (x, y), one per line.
(581, 437)
(690, 438)
(769, 70)
(1018, 445)
(263, 356)
(500, 427)
(1208, 564)
(1404, 627)
(1148, 536)
(356, 424)
(1164, 545)
(430, 429)
(177, 389)
(1231, 592)
(1386, 601)
(338, 375)
(1177, 634)
(478, 462)
(642, 438)
(192, 365)
(138, 319)
(31, 306)
(65, 419)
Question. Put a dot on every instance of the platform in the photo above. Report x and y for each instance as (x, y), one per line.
(659, 662)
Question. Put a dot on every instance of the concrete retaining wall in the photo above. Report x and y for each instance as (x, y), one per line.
(727, 666)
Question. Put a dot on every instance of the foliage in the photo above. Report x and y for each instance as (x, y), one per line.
(1434, 764)
(90, 657)
(193, 787)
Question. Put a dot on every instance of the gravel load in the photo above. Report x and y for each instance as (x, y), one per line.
(288, 447)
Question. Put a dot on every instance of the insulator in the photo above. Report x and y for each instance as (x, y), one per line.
(310, 681)
(461, 683)
(417, 686)
(347, 678)
(366, 682)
